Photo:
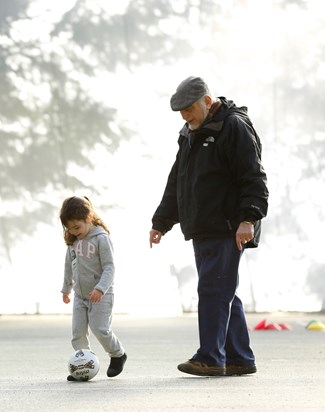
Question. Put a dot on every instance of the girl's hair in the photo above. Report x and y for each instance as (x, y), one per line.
(78, 208)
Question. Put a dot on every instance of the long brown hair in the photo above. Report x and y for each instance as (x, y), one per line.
(78, 208)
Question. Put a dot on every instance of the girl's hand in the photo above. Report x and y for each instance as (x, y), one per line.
(66, 298)
(95, 296)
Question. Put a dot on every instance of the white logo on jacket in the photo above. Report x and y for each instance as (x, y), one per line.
(208, 140)
(90, 249)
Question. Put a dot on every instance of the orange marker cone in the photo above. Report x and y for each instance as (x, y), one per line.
(285, 326)
(261, 325)
(273, 326)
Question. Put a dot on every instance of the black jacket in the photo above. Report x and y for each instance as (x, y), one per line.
(217, 180)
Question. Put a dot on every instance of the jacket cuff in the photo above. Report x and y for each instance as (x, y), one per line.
(159, 226)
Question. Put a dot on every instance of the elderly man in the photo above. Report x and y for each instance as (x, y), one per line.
(217, 191)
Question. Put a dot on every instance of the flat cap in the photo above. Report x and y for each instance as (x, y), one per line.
(188, 92)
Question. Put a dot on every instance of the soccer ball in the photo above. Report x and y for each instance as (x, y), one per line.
(83, 365)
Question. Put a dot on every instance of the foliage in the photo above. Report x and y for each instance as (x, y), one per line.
(50, 119)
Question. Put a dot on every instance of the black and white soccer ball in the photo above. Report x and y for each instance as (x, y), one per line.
(83, 365)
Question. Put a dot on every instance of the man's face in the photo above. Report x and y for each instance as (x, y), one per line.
(195, 115)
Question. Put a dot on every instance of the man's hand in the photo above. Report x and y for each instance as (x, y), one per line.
(95, 296)
(244, 234)
(155, 237)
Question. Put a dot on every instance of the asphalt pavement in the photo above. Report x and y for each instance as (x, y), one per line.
(34, 351)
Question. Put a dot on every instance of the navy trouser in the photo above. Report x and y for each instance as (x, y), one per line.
(224, 338)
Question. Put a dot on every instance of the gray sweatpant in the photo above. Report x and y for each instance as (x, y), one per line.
(98, 316)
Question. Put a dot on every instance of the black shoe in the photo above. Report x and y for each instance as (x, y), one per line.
(240, 369)
(70, 378)
(116, 366)
(201, 369)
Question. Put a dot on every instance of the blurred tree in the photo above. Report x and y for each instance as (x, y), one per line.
(316, 283)
(300, 125)
(49, 117)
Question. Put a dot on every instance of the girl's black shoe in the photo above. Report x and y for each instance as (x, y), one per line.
(116, 366)
(70, 378)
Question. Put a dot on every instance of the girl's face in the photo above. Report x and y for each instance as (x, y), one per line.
(79, 228)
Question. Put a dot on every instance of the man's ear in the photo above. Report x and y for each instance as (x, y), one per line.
(208, 101)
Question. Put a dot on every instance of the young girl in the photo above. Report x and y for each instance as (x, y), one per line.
(89, 270)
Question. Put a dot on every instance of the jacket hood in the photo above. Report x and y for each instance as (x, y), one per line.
(217, 115)
(95, 231)
(229, 108)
